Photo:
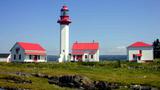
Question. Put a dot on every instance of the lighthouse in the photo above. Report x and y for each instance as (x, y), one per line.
(64, 22)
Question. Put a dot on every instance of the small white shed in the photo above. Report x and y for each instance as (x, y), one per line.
(85, 52)
(140, 52)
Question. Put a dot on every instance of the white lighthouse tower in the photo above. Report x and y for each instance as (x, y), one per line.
(64, 22)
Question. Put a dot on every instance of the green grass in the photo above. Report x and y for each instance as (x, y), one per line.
(123, 72)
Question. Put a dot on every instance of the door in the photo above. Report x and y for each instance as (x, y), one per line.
(79, 58)
(35, 58)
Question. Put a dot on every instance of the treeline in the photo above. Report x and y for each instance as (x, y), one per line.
(156, 48)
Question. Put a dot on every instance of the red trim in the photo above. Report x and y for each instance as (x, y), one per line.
(82, 52)
(64, 20)
(35, 53)
(77, 53)
(138, 54)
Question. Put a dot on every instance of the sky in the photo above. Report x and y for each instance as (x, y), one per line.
(115, 24)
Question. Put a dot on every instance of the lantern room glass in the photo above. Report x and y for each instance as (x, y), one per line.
(64, 13)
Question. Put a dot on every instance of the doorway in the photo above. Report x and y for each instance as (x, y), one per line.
(35, 58)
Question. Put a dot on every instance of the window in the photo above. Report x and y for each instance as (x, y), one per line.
(86, 56)
(30, 56)
(17, 50)
(91, 56)
(140, 51)
(39, 57)
(134, 56)
(20, 57)
(14, 57)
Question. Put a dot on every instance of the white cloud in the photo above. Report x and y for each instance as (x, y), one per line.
(121, 47)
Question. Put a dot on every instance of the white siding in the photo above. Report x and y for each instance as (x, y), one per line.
(64, 43)
(21, 52)
(3, 59)
(89, 59)
(7, 59)
(147, 53)
(84, 59)
(42, 59)
(24, 58)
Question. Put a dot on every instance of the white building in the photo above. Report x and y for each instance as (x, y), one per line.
(28, 52)
(5, 57)
(64, 22)
(85, 52)
(140, 52)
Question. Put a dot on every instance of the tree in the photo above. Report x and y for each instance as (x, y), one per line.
(156, 48)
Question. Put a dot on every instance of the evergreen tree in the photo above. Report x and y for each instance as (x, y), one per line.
(156, 48)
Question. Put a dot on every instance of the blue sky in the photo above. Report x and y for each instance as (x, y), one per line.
(115, 24)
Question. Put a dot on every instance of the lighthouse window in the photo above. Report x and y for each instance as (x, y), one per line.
(64, 13)
(39, 57)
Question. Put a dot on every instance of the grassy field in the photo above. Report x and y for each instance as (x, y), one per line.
(112, 71)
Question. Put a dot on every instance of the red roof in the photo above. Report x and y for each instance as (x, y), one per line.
(31, 46)
(64, 8)
(85, 46)
(140, 44)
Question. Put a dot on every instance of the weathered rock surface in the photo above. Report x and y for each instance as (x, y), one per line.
(84, 83)
(81, 82)
(72, 81)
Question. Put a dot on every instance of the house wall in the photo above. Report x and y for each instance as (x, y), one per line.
(96, 56)
(6, 59)
(147, 53)
(3, 59)
(84, 59)
(89, 59)
(21, 52)
(42, 59)
(24, 58)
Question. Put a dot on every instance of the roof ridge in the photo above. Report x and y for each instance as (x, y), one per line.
(31, 46)
(140, 44)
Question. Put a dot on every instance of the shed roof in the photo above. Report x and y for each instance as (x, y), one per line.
(85, 46)
(4, 55)
(140, 44)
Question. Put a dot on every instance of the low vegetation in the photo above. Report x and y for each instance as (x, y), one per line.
(126, 73)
